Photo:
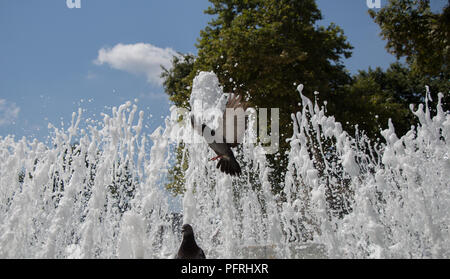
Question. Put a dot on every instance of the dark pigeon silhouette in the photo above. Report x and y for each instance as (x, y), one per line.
(189, 248)
(227, 162)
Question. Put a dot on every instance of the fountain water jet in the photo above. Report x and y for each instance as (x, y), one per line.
(104, 197)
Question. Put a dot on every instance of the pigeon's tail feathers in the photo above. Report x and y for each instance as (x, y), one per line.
(229, 166)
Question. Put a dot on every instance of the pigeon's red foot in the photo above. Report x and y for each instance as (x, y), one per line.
(215, 158)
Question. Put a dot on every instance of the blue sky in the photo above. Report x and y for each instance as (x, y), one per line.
(54, 60)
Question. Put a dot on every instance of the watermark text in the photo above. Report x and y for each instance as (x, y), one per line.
(373, 4)
(73, 4)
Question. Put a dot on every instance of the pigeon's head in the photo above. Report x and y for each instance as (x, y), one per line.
(187, 230)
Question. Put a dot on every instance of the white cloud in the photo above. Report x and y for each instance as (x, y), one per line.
(137, 59)
(9, 112)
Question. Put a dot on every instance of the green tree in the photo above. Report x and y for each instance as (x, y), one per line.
(176, 173)
(375, 96)
(413, 31)
(262, 49)
(177, 80)
(372, 98)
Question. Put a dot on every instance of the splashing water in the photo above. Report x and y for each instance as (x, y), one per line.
(343, 196)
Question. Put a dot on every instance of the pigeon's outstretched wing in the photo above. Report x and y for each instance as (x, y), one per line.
(227, 162)
(235, 116)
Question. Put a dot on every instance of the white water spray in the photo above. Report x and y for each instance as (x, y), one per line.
(104, 196)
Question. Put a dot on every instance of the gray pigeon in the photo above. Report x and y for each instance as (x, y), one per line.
(189, 248)
(227, 162)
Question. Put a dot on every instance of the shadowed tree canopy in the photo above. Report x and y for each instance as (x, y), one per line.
(375, 96)
(421, 36)
(413, 31)
(177, 79)
(262, 49)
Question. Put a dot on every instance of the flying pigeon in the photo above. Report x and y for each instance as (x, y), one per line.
(189, 248)
(227, 162)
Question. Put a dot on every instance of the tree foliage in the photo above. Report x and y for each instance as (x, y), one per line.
(262, 49)
(413, 31)
(177, 79)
